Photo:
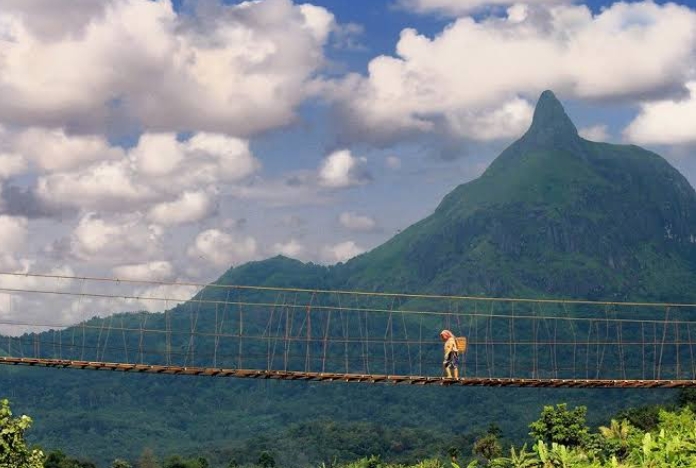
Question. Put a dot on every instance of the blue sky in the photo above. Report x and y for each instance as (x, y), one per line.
(169, 141)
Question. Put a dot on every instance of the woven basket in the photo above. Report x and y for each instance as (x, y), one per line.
(461, 343)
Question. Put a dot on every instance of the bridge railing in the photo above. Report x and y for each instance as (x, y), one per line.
(350, 332)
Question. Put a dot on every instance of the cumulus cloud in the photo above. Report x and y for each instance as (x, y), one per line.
(161, 270)
(161, 297)
(341, 252)
(222, 249)
(235, 69)
(31, 276)
(476, 78)
(53, 150)
(188, 208)
(341, 169)
(11, 164)
(52, 20)
(291, 248)
(98, 239)
(13, 233)
(665, 122)
(356, 222)
(105, 185)
(594, 133)
(171, 178)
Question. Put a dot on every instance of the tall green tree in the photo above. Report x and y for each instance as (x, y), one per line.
(266, 460)
(561, 425)
(14, 452)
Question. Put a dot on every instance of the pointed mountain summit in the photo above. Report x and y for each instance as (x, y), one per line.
(551, 128)
(550, 118)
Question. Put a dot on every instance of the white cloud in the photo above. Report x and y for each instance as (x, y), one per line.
(119, 239)
(229, 158)
(665, 122)
(53, 150)
(291, 248)
(51, 19)
(235, 69)
(189, 208)
(341, 169)
(356, 222)
(126, 297)
(222, 249)
(173, 179)
(594, 133)
(162, 297)
(341, 252)
(461, 7)
(22, 279)
(476, 77)
(106, 185)
(157, 154)
(161, 270)
(13, 233)
(11, 164)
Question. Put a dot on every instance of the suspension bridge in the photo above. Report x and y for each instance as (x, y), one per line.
(221, 330)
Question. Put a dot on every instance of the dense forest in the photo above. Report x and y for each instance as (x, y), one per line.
(652, 436)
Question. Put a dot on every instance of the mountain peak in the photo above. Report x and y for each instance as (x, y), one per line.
(550, 124)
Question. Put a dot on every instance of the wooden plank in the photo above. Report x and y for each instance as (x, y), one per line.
(337, 377)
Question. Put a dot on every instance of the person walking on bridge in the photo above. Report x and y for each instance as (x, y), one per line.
(451, 354)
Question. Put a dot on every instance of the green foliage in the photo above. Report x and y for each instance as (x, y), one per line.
(687, 397)
(176, 461)
(266, 460)
(517, 459)
(645, 418)
(118, 463)
(560, 425)
(58, 459)
(14, 452)
(488, 447)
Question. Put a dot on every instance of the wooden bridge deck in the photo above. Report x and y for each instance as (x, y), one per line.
(338, 377)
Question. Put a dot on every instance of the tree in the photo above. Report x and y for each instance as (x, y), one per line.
(58, 459)
(175, 461)
(266, 460)
(488, 447)
(617, 436)
(14, 452)
(561, 425)
(453, 453)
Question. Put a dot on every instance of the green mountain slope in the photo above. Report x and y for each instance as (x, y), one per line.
(553, 216)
